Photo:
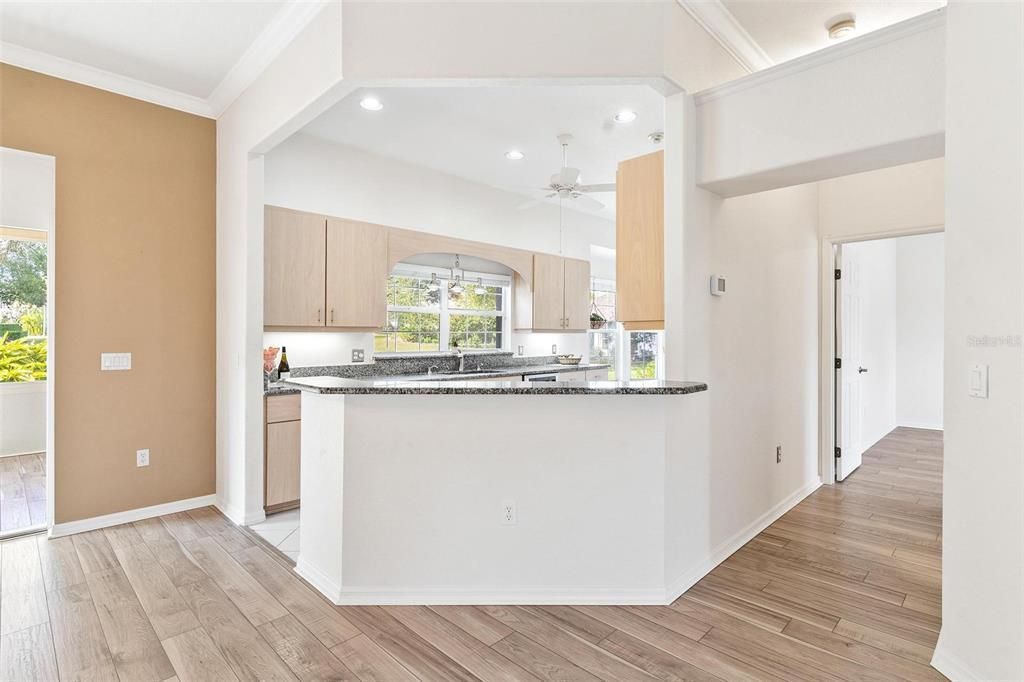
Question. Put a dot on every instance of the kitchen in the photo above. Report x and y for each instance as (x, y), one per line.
(417, 246)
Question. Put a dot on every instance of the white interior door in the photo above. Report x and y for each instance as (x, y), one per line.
(849, 415)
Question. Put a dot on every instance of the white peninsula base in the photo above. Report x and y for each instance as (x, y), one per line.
(403, 498)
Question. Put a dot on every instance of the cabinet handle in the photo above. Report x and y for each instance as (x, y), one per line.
(332, 315)
(318, 315)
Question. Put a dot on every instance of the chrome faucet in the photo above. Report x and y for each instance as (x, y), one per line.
(432, 369)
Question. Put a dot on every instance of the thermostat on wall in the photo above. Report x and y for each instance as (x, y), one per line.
(718, 285)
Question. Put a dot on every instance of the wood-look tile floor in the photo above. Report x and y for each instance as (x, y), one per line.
(843, 587)
(22, 492)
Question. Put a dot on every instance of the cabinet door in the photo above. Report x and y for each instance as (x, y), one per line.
(577, 294)
(283, 446)
(294, 268)
(548, 292)
(639, 242)
(357, 272)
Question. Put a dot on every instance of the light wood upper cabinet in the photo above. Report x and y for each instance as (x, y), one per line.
(294, 268)
(640, 242)
(576, 294)
(559, 298)
(548, 292)
(357, 271)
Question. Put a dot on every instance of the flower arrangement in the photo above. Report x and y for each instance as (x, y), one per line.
(270, 359)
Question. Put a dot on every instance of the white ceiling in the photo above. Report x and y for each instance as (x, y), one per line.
(466, 131)
(786, 30)
(193, 56)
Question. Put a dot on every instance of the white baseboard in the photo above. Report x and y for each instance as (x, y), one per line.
(916, 425)
(319, 580)
(726, 549)
(950, 666)
(117, 518)
(447, 595)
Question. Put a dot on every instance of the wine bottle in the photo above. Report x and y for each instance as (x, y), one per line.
(283, 370)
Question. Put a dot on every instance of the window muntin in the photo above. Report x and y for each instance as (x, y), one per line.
(423, 320)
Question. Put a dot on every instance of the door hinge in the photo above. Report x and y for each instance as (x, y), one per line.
(839, 452)
(839, 273)
(839, 363)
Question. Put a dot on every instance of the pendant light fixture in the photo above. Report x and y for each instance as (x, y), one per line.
(434, 284)
(456, 287)
(480, 288)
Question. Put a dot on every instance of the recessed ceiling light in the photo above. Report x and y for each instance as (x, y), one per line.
(625, 116)
(514, 155)
(843, 28)
(371, 104)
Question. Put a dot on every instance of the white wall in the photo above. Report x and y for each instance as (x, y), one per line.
(871, 102)
(897, 199)
(756, 347)
(983, 475)
(310, 174)
(920, 297)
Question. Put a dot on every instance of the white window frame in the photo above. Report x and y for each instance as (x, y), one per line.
(445, 312)
(623, 338)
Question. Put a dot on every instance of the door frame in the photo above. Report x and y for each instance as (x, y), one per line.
(827, 304)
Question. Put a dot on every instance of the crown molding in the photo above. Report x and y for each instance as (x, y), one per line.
(721, 25)
(935, 19)
(58, 67)
(272, 40)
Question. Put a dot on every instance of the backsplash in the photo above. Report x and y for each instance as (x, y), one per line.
(398, 363)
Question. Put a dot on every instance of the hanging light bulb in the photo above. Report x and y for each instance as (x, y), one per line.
(434, 283)
(480, 288)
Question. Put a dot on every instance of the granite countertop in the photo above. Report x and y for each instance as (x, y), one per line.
(340, 386)
(285, 388)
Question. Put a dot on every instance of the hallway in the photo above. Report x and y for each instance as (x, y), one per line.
(845, 586)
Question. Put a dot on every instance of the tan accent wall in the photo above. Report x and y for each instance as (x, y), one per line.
(135, 259)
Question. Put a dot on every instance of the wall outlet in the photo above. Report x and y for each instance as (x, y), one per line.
(358, 355)
(115, 362)
(142, 458)
(520, 350)
(554, 349)
(778, 454)
(508, 513)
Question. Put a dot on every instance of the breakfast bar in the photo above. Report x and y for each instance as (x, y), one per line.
(470, 492)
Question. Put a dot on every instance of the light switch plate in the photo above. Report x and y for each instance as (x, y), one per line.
(142, 458)
(115, 362)
(358, 355)
(977, 381)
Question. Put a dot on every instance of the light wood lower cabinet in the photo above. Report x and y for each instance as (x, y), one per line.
(282, 446)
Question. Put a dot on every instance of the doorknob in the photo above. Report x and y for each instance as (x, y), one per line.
(861, 370)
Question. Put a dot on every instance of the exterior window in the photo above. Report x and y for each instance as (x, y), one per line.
(633, 355)
(422, 319)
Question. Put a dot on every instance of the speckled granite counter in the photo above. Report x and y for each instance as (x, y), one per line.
(447, 372)
(341, 386)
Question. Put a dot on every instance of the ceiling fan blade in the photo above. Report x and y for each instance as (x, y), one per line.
(608, 187)
(568, 176)
(583, 201)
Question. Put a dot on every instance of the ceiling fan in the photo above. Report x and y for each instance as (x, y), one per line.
(565, 184)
